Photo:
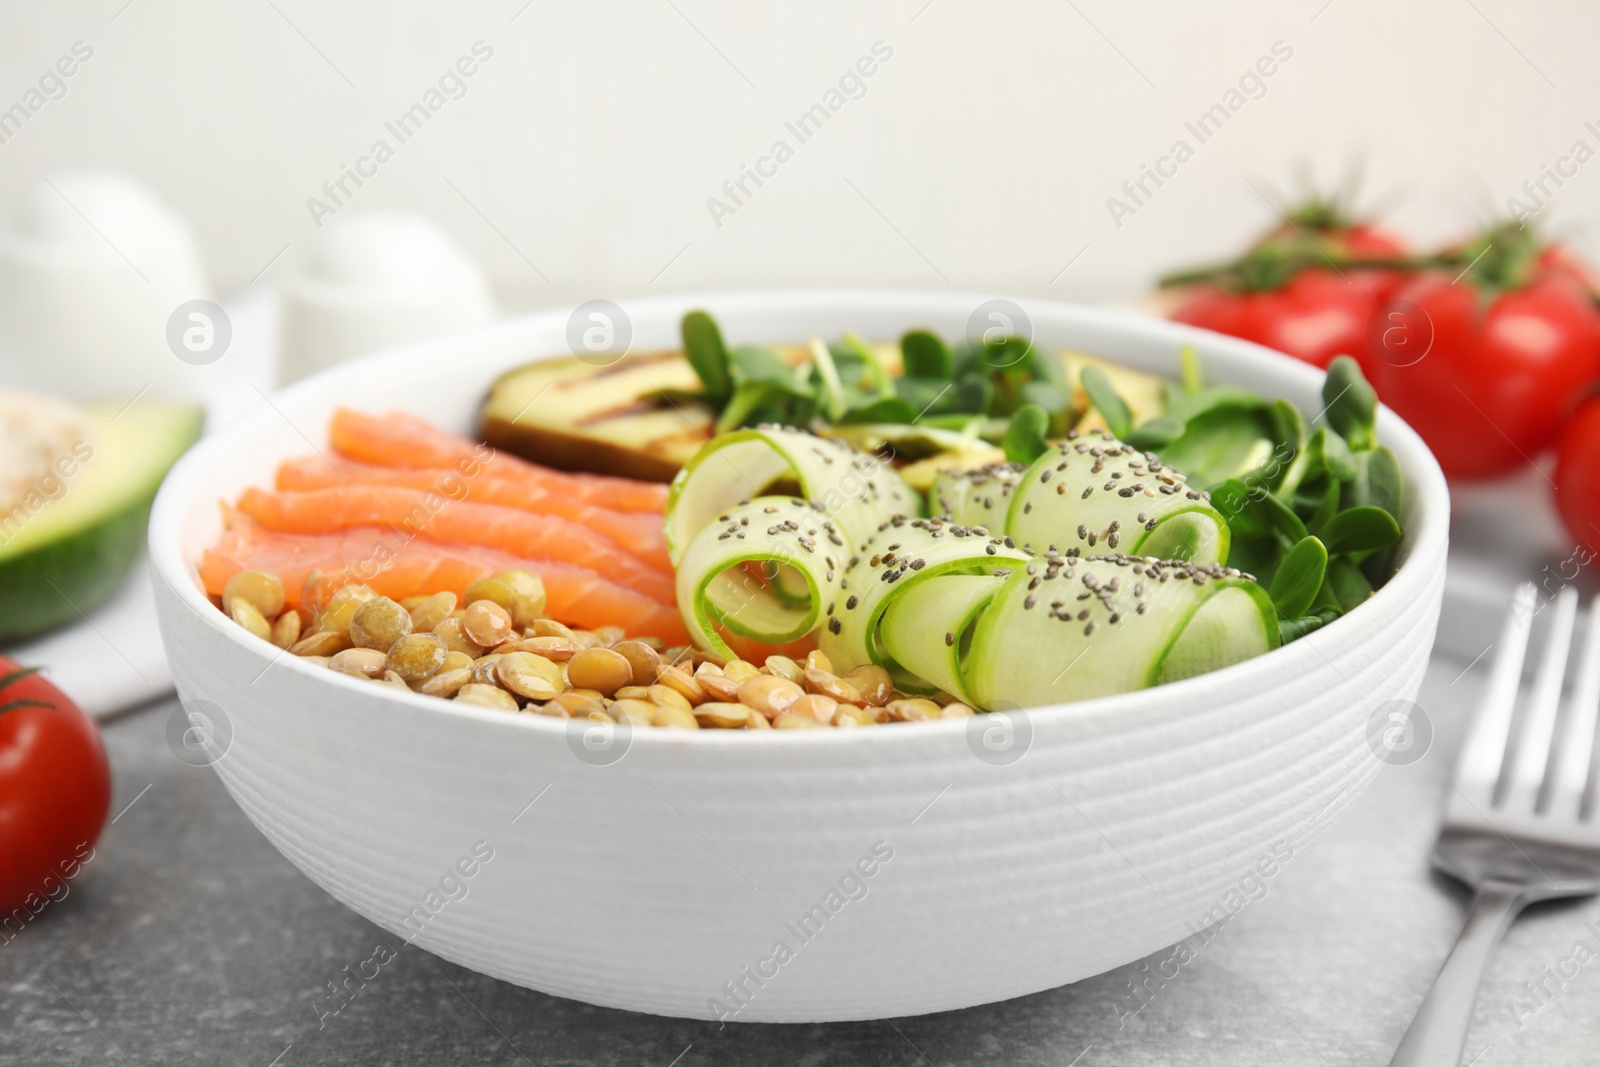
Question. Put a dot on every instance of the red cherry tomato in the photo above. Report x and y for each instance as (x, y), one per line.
(55, 790)
(1317, 312)
(1560, 259)
(1315, 317)
(1578, 476)
(1486, 379)
(1363, 240)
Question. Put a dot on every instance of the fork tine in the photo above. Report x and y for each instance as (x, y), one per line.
(1527, 764)
(1569, 777)
(1478, 768)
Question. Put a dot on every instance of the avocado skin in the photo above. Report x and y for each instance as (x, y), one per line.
(60, 582)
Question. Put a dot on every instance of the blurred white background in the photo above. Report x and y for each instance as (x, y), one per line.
(580, 160)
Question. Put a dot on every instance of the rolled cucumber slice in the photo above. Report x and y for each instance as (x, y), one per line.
(800, 556)
(1093, 493)
(1092, 626)
(977, 497)
(901, 556)
(855, 490)
(927, 629)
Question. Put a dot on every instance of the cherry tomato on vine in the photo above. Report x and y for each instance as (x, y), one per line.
(1486, 365)
(55, 790)
(1291, 293)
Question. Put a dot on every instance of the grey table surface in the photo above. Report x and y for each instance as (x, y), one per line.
(189, 940)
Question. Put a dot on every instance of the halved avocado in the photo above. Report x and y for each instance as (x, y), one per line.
(574, 415)
(64, 548)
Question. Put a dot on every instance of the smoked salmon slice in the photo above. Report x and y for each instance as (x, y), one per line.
(399, 568)
(639, 533)
(401, 440)
(420, 515)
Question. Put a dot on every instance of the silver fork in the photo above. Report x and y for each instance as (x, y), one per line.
(1515, 826)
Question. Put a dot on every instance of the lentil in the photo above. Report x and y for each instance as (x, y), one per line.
(245, 614)
(601, 669)
(821, 708)
(341, 608)
(486, 622)
(634, 712)
(366, 662)
(667, 697)
(549, 628)
(417, 657)
(260, 590)
(720, 687)
(555, 649)
(740, 670)
(783, 667)
(872, 682)
(487, 696)
(446, 683)
(456, 639)
(432, 611)
(726, 716)
(378, 624)
(769, 694)
(681, 680)
(673, 718)
(829, 685)
(286, 631)
(321, 643)
(642, 659)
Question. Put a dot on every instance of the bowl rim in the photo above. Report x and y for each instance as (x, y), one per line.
(1427, 529)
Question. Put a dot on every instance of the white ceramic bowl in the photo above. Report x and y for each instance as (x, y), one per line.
(664, 880)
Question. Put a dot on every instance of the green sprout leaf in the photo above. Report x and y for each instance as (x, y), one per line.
(1112, 408)
(746, 399)
(1294, 629)
(1377, 481)
(1329, 450)
(1190, 370)
(1360, 529)
(1155, 433)
(876, 371)
(973, 394)
(883, 409)
(1047, 367)
(752, 363)
(925, 355)
(1351, 404)
(1317, 501)
(1299, 576)
(1025, 439)
(1252, 511)
(1346, 583)
(703, 347)
(830, 393)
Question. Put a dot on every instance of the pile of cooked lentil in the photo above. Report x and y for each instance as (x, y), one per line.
(499, 651)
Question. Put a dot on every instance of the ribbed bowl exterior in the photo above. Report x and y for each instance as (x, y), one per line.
(663, 873)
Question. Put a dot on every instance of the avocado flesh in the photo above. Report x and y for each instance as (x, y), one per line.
(64, 557)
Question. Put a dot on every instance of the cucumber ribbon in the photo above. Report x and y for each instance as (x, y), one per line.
(1094, 570)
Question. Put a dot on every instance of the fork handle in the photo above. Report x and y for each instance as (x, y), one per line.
(1438, 1033)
